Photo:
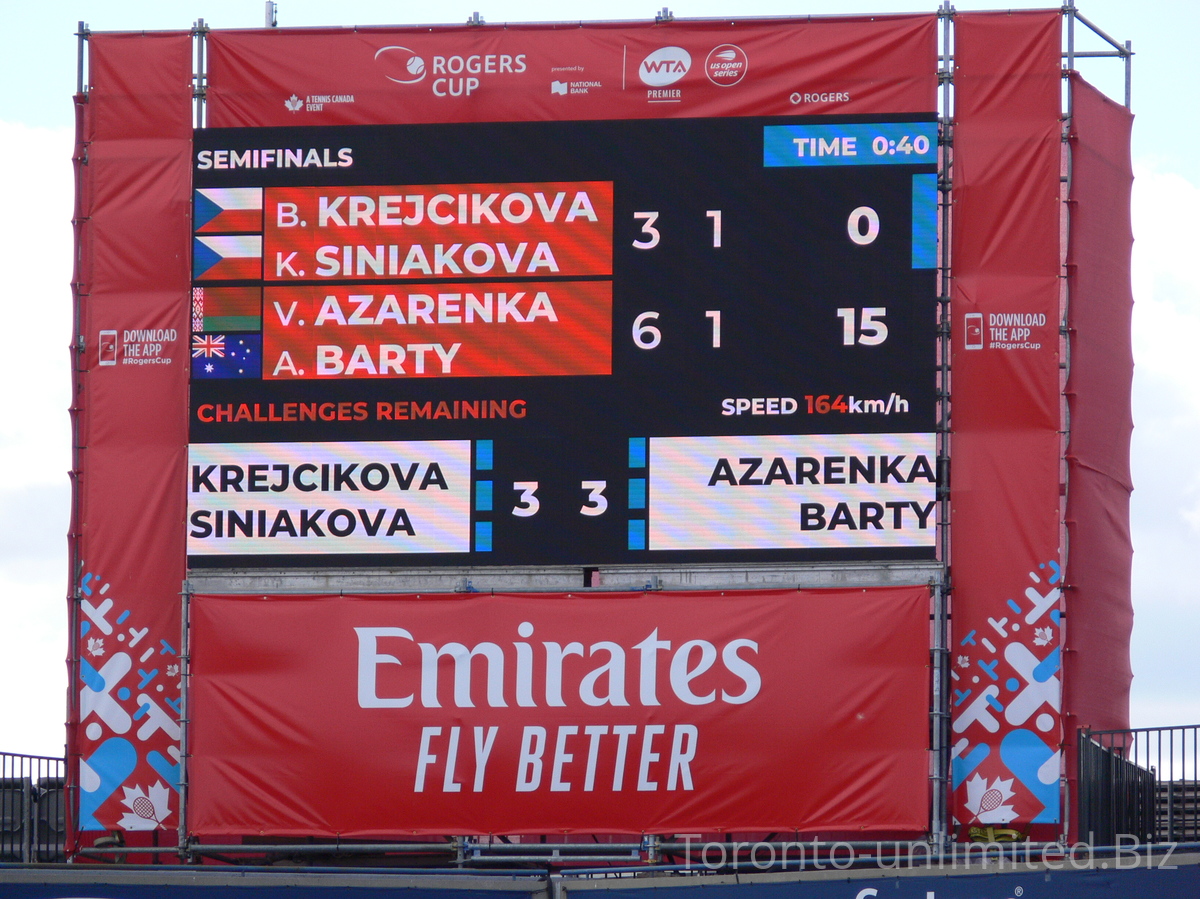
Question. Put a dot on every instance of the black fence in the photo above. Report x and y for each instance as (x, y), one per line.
(32, 808)
(1133, 784)
(1141, 784)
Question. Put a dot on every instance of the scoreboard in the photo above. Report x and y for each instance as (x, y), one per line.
(601, 342)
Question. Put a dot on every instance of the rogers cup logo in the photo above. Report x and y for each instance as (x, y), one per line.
(665, 66)
(726, 65)
(407, 67)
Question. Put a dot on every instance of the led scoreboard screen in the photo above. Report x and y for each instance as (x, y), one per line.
(686, 340)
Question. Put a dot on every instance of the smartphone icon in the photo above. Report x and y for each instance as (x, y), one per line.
(108, 347)
(973, 322)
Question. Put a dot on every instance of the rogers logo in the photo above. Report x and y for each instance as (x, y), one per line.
(726, 65)
(404, 66)
(450, 76)
(665, 66)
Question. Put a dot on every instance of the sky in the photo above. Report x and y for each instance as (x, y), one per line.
(37, 80)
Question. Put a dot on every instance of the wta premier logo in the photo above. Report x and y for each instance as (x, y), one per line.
(665, 66)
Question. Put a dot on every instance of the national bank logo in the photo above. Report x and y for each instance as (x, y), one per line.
(665, 66)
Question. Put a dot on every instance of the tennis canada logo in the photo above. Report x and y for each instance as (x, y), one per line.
(315, 102)
(988, 800)
(726, 65)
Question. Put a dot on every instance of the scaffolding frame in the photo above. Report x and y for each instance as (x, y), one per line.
(466, 852)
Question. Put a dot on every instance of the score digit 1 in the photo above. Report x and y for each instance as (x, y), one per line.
(715, 215)
(715, 315)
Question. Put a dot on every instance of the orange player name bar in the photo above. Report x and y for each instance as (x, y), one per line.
(437, 331)
(528, 229)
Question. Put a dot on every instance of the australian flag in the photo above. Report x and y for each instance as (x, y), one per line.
(226, 355)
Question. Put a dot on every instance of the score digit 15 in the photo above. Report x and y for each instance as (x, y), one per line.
(871, 330)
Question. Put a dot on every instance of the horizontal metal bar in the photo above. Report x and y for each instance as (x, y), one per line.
(316, 849)
(518, 848)
(198, 874)
(546, 859)
(1143, 730)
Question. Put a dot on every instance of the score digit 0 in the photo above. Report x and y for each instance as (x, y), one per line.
(863, 215)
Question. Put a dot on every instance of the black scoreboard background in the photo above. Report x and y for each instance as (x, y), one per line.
(768, 319)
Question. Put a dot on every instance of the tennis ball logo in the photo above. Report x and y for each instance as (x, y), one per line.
(400, 64)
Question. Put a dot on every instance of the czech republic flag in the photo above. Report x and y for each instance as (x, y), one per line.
(227, 257)
(226, 210)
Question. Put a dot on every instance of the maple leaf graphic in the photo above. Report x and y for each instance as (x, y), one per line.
(148, 807)
(987, 801)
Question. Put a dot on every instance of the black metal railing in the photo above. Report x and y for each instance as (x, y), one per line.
(32, 808)
(1139, 784)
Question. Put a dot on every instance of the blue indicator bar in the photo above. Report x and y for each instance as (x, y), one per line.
(483, 496)
(637, 452)
(483, 455)
(637, 534)
(483, 536)
(924, 221)
(637, 493)
(885, 143)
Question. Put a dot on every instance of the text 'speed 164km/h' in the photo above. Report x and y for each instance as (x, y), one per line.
(564, 343)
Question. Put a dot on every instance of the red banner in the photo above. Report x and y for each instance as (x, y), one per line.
(1005, 515)
(538, 72)
(1097, 672)
(602, 713)
(130, 413)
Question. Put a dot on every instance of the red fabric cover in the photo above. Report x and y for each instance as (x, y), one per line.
(828, 732)
(140, 86)
(1099, 609)
(1005, 406)
(790, 66)
(131, 423)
